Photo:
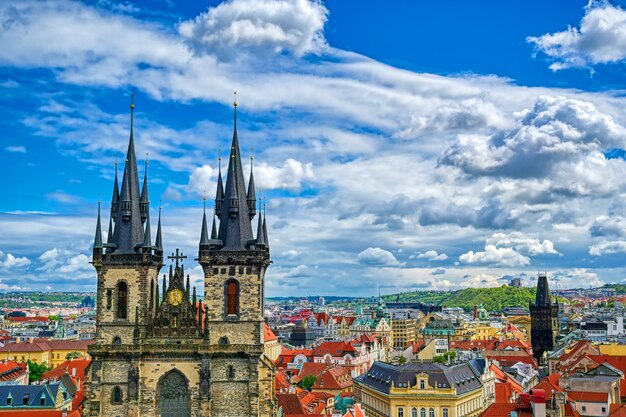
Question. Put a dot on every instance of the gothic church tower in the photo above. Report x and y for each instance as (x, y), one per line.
(159, 351)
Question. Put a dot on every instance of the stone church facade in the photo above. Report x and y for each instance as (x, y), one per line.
(544, 320)
(159, 351)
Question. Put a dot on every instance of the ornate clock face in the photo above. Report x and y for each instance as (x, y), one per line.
(175, 297)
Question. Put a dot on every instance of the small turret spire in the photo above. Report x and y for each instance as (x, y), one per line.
(147, 237)
(159, 239)
(144, 202)
(219, 194)
(204, 234)
(267, 238)
(97, 242)
(260, 232)
(110, 233)
(213, 229)
(116, 194)
(251, 195)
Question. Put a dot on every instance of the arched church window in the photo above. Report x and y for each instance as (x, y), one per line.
(231, 372)
(117, 395)
(122, 300)
(223, 341)
(117, 341)
(232, 297)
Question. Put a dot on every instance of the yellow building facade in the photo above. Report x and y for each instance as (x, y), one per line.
(403, 331)
(419, 390)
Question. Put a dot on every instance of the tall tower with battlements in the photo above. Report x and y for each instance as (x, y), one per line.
(159, 350)
(544, 319)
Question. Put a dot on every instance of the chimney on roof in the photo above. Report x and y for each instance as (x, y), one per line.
(74, 372)
(31, 340)
(538, 402)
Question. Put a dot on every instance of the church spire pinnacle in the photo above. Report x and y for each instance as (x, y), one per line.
(251, 195)
(204, 234)
(97, 242)
(144, 202)
(159, 240)
(219, 194)
(128, 222)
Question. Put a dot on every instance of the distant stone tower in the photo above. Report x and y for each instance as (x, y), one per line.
(544, 320)
(159, 352)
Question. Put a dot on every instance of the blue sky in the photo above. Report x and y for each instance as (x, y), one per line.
(423, 145)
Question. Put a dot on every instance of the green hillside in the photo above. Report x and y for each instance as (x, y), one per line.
(493, 299)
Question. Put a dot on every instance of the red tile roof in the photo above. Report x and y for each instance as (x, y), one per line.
(10, 370)
(335, 378)
(73, 366)
(268, 334)
(590, 397)
(334, 349)
(504, 410)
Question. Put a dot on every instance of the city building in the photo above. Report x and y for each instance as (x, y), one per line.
(156, 352)
(420, 389)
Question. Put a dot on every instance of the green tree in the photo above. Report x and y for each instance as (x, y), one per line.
(307, 382)
(36, 370)
(401, 360)
(73, 355)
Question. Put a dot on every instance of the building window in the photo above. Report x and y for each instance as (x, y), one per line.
(604, 409)
(431, 412)
(42, 400)
(444, 413)
(117, 395)
(400, 412)
(584, 409)
(122, 300)
(422, 384)
(423, 412)
(231, 372)
(414, 412)
(109, 298)
(232, 297)
(117, 341)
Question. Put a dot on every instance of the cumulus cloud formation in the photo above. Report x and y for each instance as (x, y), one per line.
(261, 28)
(67, 262)
(200, 181)
(495, 256)
(290, 176)
(481, 281)
(556, 131)
(601, 39)
(608, 248)
(521, 243)
(377, 257)
(431, 255)
(608, 226)
(9, 261)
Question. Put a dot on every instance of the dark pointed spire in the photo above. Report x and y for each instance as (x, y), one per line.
(219, 194)
(188, 287)
(128, 224)
(260, 232)
(116, 195)
(147, 237)
(235, 229)
(194, 298)
(97, 241)
(542, 297)
(251, 194)
(164, 286)
(204, 234)
(267, 238)
(110, 234)
(213, 229)
(156, 295)
(159, 239)
(144, 202)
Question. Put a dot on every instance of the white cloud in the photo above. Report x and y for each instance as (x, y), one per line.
(63, 197)
(377, 257)
(16, 149)
(290, 176)
(481, 281)
(521, 243)
(601, 39)
(495, 256)
(291, 254)
(608, 248)
(432, 255)
(264, 28)
(68, 262)
(608, 226)
(9, 261)
(200, 181)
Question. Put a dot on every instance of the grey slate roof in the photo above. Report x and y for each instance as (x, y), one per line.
(382, 375)
(31, 394)
(542, 298)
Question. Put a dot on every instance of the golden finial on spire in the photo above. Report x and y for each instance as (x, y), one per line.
(146, 158)
(235, 102)
(132, 101)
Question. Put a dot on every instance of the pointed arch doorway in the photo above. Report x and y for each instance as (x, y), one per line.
(173, 395)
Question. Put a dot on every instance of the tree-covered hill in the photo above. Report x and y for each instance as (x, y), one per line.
(493, 299)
